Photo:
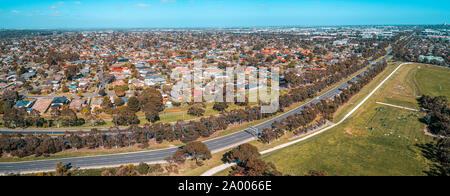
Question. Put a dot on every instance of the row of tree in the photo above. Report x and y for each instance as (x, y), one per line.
(20, 117)
(438, 114)
(438, 123)
(301, 122)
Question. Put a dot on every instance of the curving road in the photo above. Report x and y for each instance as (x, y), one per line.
(155, 156)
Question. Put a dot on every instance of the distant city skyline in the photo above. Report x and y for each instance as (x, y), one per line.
(54, 14)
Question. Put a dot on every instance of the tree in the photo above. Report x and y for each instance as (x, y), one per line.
(268, 135)
(34, 118)
(151, 96)
(241, 153)
(438, 114)
(120, 90)
(62, 170)
(178, 157)
(151, 114)
(125, 117)
(143, 168)
(106, 103)
(118, 101)
(133, 104)
(71, 72)
(14, 117)
(88, 114)
(220, 106)
(69, 117)
(255, 167)
(6, 105)
(128, 170)
(197, 150)
(2, 111)
(155, 169)
(10, 95)
(56, 114)
(443, 156)
(196, 110)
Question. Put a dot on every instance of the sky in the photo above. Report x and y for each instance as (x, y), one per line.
(54, 14)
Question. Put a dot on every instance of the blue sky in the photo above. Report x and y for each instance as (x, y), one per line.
(34, 14)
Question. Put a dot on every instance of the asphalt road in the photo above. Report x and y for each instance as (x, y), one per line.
(156, 155)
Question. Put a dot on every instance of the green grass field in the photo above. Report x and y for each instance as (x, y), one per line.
(376, 139)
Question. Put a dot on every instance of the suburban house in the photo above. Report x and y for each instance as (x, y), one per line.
(77, 104)
(29, 75)
(118, 83)
(24, 104)
(59, 102)
(96, 103)
(42, 105)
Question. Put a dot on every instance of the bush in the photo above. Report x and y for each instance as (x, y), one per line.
(142, 168)
(156, 169)
(196, 110)
(220, 106)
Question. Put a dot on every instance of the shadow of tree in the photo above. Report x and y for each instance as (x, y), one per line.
(429, 151)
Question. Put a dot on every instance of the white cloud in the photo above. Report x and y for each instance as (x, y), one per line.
(78, 2)
(15, 11)
(56, 13)
(143, 5)
(168, 1)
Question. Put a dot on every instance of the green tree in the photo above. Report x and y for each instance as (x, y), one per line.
(196, 110)
(61, 169)
(10, 95)
(151, 96)
(241, 153)
(118, 101)
(106, 103)
(133, 104)
(220, 106)
(255, 167)
(151, 112)
(197, 150)
(143, 168)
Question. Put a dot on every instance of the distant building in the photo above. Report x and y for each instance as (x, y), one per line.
(431, 58)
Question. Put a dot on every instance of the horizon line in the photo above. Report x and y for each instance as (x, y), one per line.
(221, 27)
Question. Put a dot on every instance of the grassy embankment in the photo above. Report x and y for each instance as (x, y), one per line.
(376, 139)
